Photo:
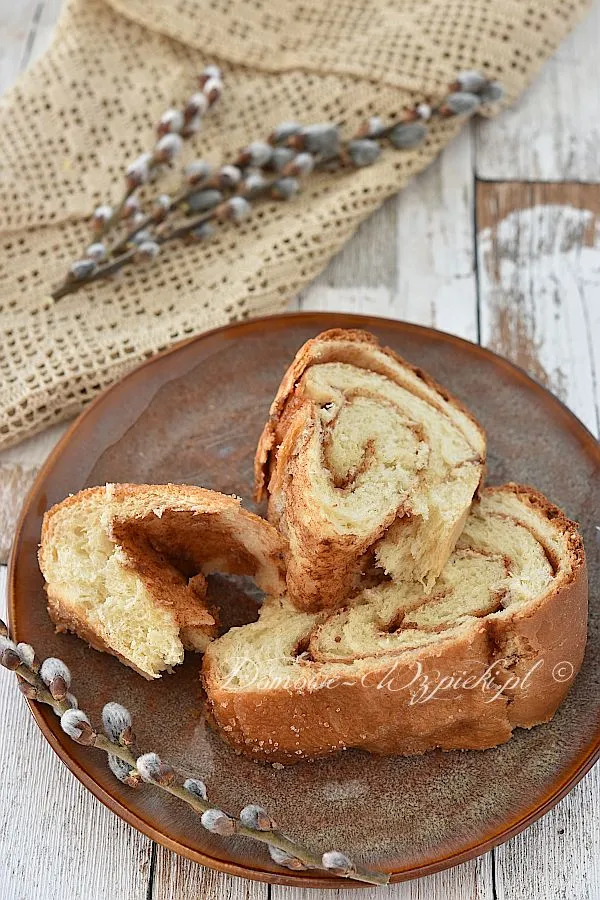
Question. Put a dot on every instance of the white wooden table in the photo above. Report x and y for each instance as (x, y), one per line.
(497, 242)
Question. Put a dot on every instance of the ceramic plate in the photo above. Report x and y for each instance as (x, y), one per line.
(193, 415)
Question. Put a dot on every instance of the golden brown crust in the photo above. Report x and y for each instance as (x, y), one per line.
(169, 535)
(324, 563)
(67, 620)
(309, 354)
(534, 651)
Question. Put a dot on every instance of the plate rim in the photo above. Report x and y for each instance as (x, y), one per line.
(48, 723)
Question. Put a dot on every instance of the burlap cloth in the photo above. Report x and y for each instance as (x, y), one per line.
(88, 107)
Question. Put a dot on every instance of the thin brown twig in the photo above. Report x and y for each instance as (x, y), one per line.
(115, 216)
(185, 193)
(120, 256)
(271, 837)
(185, 230)
(154, 218)
(109, 268)
(69, 287)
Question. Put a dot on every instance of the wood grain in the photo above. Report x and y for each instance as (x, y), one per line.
(413, 259)
(176, 878)
(471, 881)
(16, 23)
(18, 468)
(537, 261)
(558, 858)
(539, 270)
(42, 28)
(539, 265)
(435, 245)
(553, 132)
(56, 840)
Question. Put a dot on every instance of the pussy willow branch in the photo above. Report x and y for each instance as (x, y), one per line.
(172, 129)
(184, 195)
(468, 93)
(68, 287)
(297, 856)
(153, 218)
(122, 256)
(115, 217)
(182, 231)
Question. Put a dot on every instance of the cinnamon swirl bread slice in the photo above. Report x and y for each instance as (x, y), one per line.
(125, 564)
(367, 462)
(493, 647)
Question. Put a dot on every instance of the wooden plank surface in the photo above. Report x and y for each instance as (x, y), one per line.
(56, 840)
(558, 857)
(539, 255)
(413, 259)
(26, 28)
(18, 467)
(471, 881)
(40, 35)
(539, 268)
(16, 26)
(552, 133)
(534, 265)
(176, 878)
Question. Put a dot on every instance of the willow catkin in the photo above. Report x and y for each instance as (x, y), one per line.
(103, 65)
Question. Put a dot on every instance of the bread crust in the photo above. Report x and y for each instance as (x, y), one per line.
(168, 535)
(65, 619)
(384, 715)
(324, 564)
(310, 353)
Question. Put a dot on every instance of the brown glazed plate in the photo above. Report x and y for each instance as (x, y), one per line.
(193, 415)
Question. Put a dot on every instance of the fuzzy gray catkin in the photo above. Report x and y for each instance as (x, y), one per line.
(343, 73)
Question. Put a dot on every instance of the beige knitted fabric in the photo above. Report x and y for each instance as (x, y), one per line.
(88, 107)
